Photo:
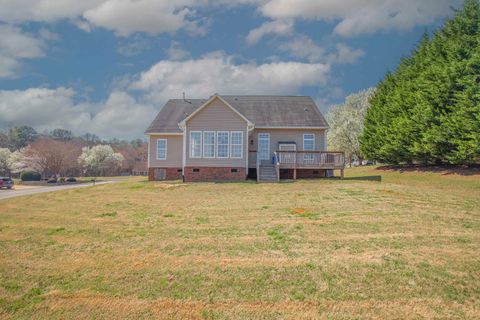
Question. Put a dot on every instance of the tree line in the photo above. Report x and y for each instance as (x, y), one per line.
(428, 110)
(60, 153)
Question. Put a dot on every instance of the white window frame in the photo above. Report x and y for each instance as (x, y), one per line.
(259, 138)
(228, 145)
(309, 157)
(166, 148)
(191, 145)
(240, 144)
(214, 144)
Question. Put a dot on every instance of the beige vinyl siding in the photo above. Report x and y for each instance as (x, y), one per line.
(284, 135)
(174, 151)
(216, 117)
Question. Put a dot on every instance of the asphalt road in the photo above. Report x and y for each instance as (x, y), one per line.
(5, 194)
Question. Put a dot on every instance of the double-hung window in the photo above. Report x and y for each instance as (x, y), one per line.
(161, 149)
(222, 144)
(209, 144)
(236, 145)
(308, 145)
(195, 144)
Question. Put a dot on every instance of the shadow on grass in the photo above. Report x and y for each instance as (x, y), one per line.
(364, 178)
(444, 170)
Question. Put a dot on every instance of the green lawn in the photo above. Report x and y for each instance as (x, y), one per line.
(379, 244)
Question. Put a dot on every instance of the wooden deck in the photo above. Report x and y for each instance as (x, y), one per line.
(297, 160)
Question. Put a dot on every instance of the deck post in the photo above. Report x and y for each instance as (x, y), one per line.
(342, 173)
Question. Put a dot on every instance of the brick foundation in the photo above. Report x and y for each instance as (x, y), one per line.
(170, 174)
(209, 174)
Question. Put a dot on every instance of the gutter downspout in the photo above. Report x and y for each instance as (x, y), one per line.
(250, 128)
(183, 127)
(148, 156)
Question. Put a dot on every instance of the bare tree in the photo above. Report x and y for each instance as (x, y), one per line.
(51, 157)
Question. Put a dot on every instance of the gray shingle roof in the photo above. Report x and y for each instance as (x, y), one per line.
(263, 111)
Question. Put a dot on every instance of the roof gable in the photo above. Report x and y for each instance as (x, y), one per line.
(209, 102)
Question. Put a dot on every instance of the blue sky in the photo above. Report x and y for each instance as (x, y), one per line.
(107, 66)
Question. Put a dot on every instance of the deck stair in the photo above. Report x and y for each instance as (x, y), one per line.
(267, 172)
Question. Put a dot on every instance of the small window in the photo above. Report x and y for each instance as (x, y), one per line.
(196, 170)
(179, 170)
(316, 172)
(209, 144)
(195, 144)
(234, 170)
(162, 149)
(236, 145)
(222, 144)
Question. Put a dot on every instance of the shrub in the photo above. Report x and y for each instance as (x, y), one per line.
(61, 180)
(30, 176)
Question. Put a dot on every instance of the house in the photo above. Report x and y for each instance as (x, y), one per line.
(231, 138)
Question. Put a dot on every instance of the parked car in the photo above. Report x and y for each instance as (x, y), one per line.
(71, 179)
(52, 180)
(6, 182)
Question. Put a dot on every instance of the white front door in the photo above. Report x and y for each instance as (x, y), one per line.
(264, 146)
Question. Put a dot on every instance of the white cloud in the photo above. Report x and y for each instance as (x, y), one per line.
(39, 107)
(304, 47)
(151, 16)
(362, 16)
(176, 52)
(218, 73)
(124, 17)
(345, 54)
(15, 11)
(122, 116)
(278, 27)
(15, 46)
(45, 109)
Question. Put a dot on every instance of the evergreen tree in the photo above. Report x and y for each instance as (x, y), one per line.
(428, 110)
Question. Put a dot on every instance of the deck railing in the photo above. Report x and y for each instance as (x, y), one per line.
(311, 159)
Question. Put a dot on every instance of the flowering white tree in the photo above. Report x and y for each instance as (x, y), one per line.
(16, 162)
(346, 124)
(100, 159)
(4, 157)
